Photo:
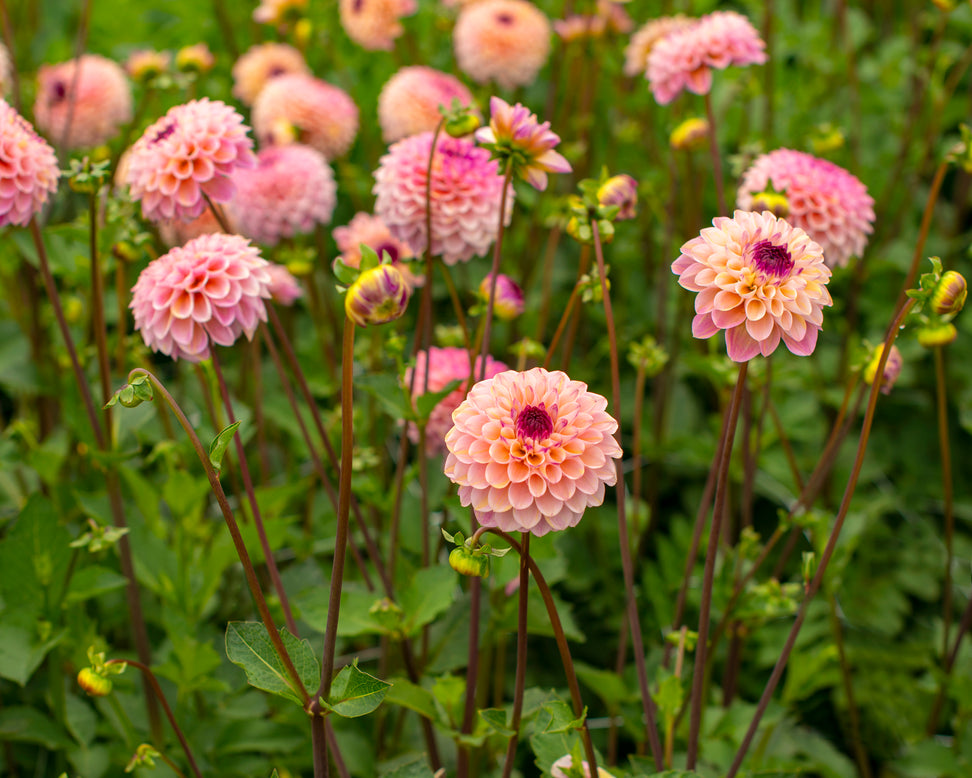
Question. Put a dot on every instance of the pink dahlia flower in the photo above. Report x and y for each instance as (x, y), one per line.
(506, 41)
(191, 151)
(322, 116)
(103, 102)
(176, 232)
(289, 191)
(531, 451)
(760, 280)
(28, 168)
(445, 365)
(516, 133)
(466, 190)
(825, 200)
(409, 102)
(684, 59)
(211, 290)
(284, 288)
(261, 63)
(374, 24)
(645, 38)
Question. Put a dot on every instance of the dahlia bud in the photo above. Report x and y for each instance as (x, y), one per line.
(621, 191)
(462, 125)
(379, 295)
(892, 368)
(95, 684)
(145, 65)
(508, 300)
(690, 135)
(950, 293)
(469, 562)
(775, 203)
(195, 59)
(303, 30)
(937, 335)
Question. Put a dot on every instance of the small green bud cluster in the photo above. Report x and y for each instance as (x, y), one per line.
(469, 558)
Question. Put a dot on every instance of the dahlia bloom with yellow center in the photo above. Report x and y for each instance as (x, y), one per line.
(759, 279)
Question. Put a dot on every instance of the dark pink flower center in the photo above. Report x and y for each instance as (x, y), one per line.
(390, 248)
(164, 133)
(357, 5)
(533, 422)
(275, 71)
(58, 91)
(772, 260)
(504, 19)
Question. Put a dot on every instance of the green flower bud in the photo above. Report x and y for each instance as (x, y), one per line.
(690, 135)
(937, 335)
(462, 125)
(950, 294)
(468, 562)
(93, 683)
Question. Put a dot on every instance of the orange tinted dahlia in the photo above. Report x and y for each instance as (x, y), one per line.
(261, 63)
(374, 24)
(409, 102)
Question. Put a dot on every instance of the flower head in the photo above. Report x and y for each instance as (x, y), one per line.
(465, 192)
(261, 63)
(409, 102)
(445, 365)
(289, 191)
(645, 38)
(324, 116)
(691, 135)
(621, 191)
(145, 64)
(28, 168)
(825, 200)
(191, 151)
(760, 280)
(685, 57)
(195, 59)
(531, 451)
(368, 230)
(892, 368)
(378, 296)
(515, 135)
(506, 41)
(508, 303)
(374, 24)
(211, 290)
(950, 294)
(101, 105)
(284, 288)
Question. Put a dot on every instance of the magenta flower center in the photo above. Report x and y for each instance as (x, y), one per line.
(533, 422)
(772, 260)
(59, 91)
(357, 5)
(390, 248)
(504, 19)
(164, 133)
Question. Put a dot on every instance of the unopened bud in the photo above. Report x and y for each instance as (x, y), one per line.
(690, 135)
(95, 684)
(460, 126)
(621, 191)
(775, 203)
(892, 368)
(937, 335)
(146, 64)
(468, 562)
(195, 59)
(303, 30)
(508, 300)
(950, 294)
(379, 295)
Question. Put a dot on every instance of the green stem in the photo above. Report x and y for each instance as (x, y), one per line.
(98, 312)
(947, 491)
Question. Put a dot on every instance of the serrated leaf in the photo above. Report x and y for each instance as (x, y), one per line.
(561, 717)
(496, 719)
(669, 696)
(217, 449)
(355, 693)
(248, 645)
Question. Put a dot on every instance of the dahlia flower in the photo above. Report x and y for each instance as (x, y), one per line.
(211, 290)
(103, 102)
(645, 38)
(409, 102)
(324, 116)
(374, 24)
(508, 300)
(378, 296)
(175, 232)
(289, 191)
(684, 58)
(145, 64)
(278, 11)
(28, 168)
(190, 152)
(466, 190)
(760, 280)
(622, 191)
(531, 451)
(516, 135)
(284, 288)
(829, 203)
(261, 63)
(506, 41)
(196, 58)
(445, 365)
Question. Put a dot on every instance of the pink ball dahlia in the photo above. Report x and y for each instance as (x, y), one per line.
(466, 190)
(103, 102)
(374, 24)
(321, 115)
(261, 63)
(829, 203)
(645, 38)
(506, 41)
(28, 168)
(289, 191)
(409, 102)
(531, 451)
(684, 59)
(284, 288)
(209, 291)
(445, 366)
(760, 280)
(191, 151)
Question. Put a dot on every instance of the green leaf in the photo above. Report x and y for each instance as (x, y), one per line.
(416, 767)
(355, 693)
(29, 725)
(218, 447)
(425, 403)
(669, 696)
(248, 645)
(345, 274)
(561, 718)
(388, 392)
(92, 581)
(430, 593)
(496, 719)
(412, 696)
(21, 647)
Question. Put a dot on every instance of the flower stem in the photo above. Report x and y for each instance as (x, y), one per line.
(8, 39)
(846, 676)
(218, 215)
(521, 653)
(568, 309)
(716, 159)
(494, 270)
(947, 491)
(82, 39)
(98, 312)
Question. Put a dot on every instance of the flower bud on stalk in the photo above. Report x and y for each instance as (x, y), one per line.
(378, 296)
(690, 135)
(937, 335)
(93, 683)
(950, 294)
(508, 302)
(892, 368)
(622, 191)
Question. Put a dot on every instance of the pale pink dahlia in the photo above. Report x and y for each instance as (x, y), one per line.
(374, 233)
(645, 38)
(102, 104)
(409, 102)
(374, 24)
(506, 41)
(759, 279)
(289, 191)
(284, 288)
(531, 451)
(829, 203)
(322, 116)
(28, 168)
(465, 193)
(261, 63)
(684, 59)
(210, 290)
(445, 365)
(191, 151)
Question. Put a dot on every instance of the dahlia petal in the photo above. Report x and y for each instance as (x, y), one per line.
(805, 346)
(740, 345)
(703, 326)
